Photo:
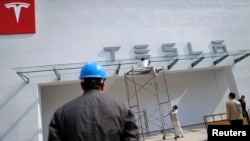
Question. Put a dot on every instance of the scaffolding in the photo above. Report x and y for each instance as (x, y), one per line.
(140, 83)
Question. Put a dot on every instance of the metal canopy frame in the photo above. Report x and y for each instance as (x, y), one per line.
(118, 69)
(58, 69)
(241, 58)
(25, 78)
(57, 74)
(217, 61)
(172, 63)
(197, 61)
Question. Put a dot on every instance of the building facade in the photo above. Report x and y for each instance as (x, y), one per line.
(70, 33)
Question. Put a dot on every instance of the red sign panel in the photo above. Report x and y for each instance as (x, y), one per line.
(17, 16)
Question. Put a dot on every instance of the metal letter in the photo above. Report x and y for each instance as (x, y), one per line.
(219, 47)
(112, 51)
(141, 51)
(190, 48)
(170, 51)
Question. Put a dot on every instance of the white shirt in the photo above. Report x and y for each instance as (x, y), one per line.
(173, 114)
(143, 63)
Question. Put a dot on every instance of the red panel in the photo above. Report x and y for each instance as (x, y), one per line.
(17, 16)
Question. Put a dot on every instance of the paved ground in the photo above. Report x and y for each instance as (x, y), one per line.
(191, 133)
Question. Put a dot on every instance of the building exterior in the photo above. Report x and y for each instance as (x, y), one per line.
(70, 33)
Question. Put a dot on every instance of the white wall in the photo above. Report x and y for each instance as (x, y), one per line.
(192, 91)
(77, 30)
(54, 96)
(241, 75)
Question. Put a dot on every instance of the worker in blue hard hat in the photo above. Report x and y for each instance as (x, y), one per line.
(93, 76)
(93, 116)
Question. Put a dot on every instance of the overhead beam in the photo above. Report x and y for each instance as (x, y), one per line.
(25, 78)
(241, 58)
(118, 69)
(197, 61)
(57, 74)
(172, 64)
(220, 59)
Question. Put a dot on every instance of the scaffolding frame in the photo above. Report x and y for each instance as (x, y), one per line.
(133, 92)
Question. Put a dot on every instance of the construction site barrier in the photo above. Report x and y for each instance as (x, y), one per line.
(219, 119)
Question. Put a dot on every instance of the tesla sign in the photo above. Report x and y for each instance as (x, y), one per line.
(169, 49)
(17, 16)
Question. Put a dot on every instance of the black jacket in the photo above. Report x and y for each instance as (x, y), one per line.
(93, 117)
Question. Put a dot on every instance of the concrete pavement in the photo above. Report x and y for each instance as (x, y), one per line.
(191, 133)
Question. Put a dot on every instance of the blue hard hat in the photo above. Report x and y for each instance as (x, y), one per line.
(93, 70)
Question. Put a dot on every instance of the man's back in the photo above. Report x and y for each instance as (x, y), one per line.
(96, 117)
(234, 111)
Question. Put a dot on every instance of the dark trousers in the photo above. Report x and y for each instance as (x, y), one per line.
(237, 122)
(245, 114)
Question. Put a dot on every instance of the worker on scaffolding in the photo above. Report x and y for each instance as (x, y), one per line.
(174, 117)
(144, 64)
